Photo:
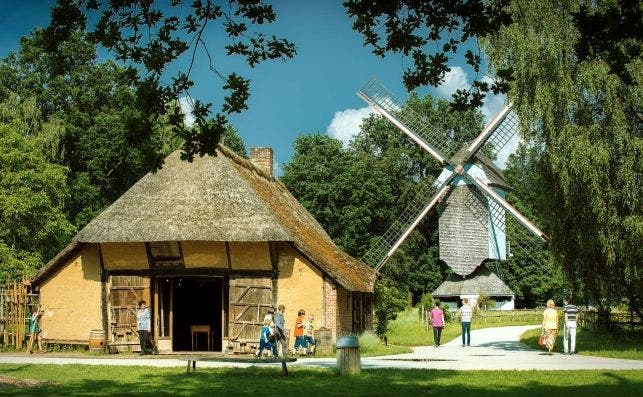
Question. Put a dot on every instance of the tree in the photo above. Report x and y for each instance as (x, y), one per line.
(150, 36)
(582, 108)
(413, 27)
(95, 112)
(33, 226)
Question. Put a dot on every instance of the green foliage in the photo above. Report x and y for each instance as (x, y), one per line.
(389, 300)
(580, 107)
(149, 37)
(33, 226)
(426, 303)
(484, 302)
(412, 28)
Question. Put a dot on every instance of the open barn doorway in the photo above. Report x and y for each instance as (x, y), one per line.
(197, 313)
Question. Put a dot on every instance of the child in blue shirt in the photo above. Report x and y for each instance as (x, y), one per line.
(265, 338)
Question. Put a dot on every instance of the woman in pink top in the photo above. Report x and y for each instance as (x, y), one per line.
(437, 322)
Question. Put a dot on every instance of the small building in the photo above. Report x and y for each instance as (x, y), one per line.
(481, 281)
(210, 245)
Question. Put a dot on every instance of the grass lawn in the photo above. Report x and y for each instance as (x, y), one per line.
(407, 330)
(73, 380)
(623, 345)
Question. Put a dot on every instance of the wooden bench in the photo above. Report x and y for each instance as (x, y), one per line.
(192, 360)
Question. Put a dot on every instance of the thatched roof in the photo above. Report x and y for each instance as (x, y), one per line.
(220, 198)
(480, 281)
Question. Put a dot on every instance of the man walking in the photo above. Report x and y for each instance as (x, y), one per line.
(143, 324)
(465, 321)
(571, 319)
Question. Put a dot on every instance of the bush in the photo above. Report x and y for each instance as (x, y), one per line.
(426, 301)
(368, 340)
(485, 302)
(389, 300)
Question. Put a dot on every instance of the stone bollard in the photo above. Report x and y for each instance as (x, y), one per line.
(348, 358)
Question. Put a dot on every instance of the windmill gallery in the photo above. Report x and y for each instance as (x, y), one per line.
(214, 243)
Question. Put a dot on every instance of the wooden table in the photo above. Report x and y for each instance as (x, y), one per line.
(197, 329)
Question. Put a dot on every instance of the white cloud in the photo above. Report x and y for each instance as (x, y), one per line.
(186, 107)
(345, 124)
(455, 79)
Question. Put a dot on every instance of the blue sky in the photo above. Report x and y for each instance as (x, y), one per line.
(314, 92)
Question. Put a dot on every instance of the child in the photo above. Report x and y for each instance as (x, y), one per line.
(34, 330)
(308, 334)
(300, 341)
(264, 338)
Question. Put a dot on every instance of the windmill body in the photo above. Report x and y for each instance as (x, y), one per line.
(470, 193)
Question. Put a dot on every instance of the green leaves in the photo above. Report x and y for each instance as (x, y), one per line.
(432, 32)
(148, 37)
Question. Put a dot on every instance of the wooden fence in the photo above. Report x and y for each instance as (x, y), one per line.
(16, 301)
(627, 321)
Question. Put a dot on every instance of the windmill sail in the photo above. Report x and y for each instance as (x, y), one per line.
(431, 139)
(384, 247)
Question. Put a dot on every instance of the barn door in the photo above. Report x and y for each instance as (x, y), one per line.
(124, 294)
(250, 299)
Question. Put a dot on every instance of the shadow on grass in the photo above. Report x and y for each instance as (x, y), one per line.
(146, 381)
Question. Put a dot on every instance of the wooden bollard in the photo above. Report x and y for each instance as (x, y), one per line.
(348, 358)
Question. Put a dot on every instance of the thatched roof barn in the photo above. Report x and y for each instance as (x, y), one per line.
(223, 217)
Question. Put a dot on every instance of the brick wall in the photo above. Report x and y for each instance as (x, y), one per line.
(330, 305)
(345, 312)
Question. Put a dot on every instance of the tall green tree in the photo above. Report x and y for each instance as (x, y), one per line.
(33, 226)
(96, 112)
(148, 36)
(583, 107)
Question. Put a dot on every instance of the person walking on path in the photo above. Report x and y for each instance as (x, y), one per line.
(300, 341)
(143, 323)
(437, 322)
(569, 330)
(550, 325)
(466, 313)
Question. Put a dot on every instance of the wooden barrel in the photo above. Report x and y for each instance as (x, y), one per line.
(348, 359)
(97, 340)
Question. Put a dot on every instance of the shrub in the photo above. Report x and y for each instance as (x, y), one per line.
(389, 300)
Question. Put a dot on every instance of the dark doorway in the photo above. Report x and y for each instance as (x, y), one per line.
(197, 303)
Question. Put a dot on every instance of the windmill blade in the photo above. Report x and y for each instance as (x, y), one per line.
(486, 189)
(521, 240)
(517, 237)
(426, 199)
(430, 139)
(498, 132)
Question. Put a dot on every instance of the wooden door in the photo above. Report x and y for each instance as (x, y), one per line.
(124, 294)
(249, 301)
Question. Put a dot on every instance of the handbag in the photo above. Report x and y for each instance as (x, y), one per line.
(541, 340)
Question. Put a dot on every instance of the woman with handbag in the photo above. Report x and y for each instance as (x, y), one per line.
(550, 325)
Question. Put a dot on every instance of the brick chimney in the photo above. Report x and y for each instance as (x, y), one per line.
(262, 158)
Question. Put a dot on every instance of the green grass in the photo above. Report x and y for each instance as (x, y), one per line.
(74, 380)
(590, 343)
(408, 330)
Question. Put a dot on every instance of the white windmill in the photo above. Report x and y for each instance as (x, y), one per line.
(472, 222)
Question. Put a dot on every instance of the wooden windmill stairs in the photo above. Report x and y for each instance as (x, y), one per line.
(462, 167)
